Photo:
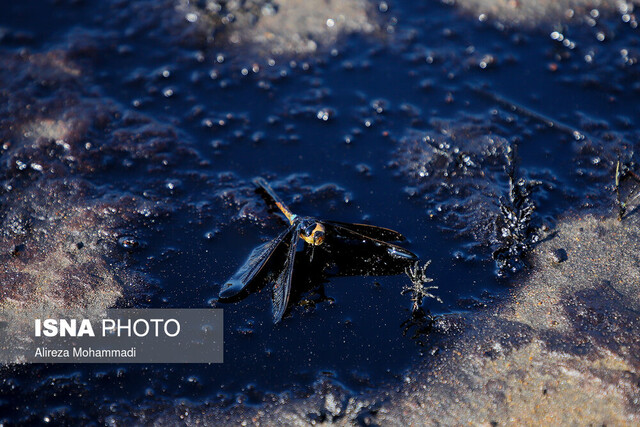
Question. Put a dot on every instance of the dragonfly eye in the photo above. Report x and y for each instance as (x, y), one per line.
(308, 231)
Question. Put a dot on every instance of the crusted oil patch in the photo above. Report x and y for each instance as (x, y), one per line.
(466, 174)
(282, 27)
(534, 12)
(458, 170)
(61, 222)
(56, 243)
(613, 262)
(58, 252)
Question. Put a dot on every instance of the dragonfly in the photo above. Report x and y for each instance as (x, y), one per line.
(314, 233)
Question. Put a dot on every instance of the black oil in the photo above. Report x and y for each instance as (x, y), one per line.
(326, 130)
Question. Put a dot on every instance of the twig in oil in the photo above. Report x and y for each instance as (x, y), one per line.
(527, 112)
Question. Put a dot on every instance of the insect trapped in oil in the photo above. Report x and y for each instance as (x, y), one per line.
(276, 259)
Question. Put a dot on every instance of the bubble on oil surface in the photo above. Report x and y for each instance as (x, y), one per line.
(129, 243)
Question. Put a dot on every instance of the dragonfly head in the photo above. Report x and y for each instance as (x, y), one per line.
(312, 232)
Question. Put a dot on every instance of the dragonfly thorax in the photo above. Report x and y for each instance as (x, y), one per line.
(312, 231)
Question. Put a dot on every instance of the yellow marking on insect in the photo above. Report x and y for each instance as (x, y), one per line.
(316, 237)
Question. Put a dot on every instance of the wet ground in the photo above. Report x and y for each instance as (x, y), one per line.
(130, 135)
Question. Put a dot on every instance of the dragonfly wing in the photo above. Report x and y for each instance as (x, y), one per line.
(253, 265)
(393, 250)
(282, 285)
(377, 233)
